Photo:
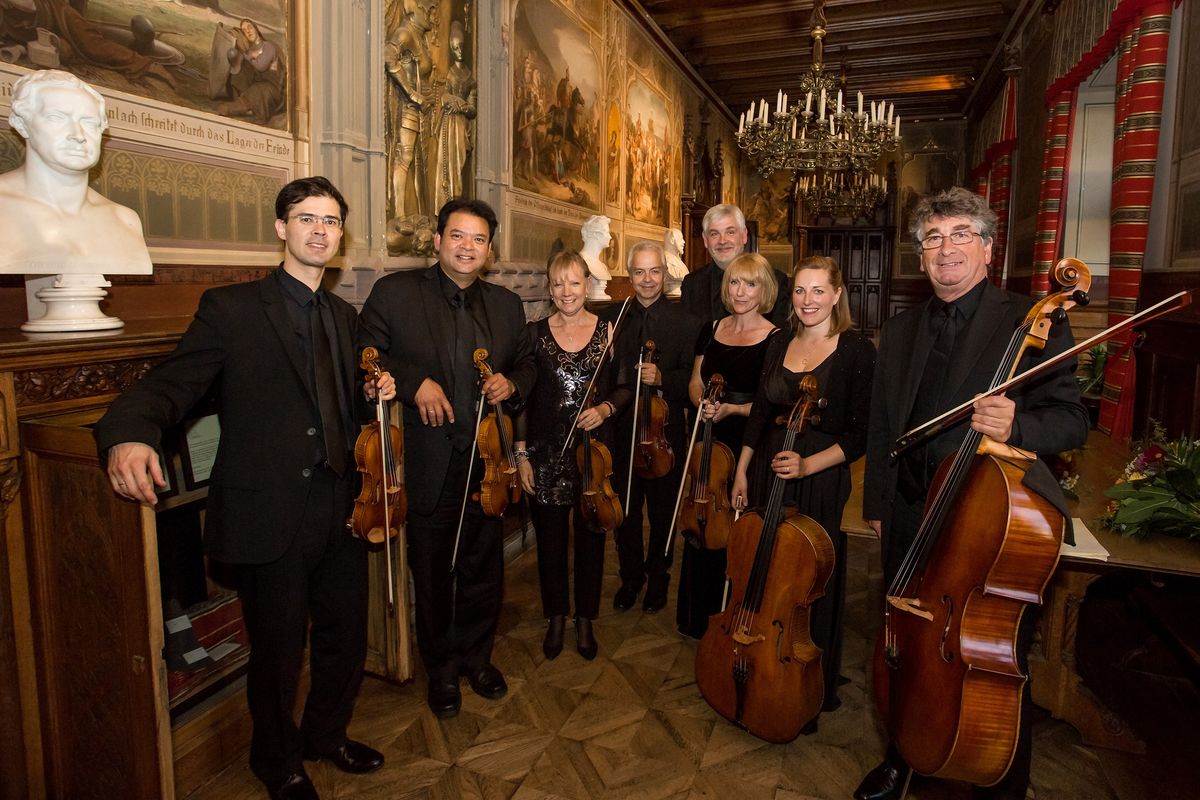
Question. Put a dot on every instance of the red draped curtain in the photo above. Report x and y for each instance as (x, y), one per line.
(1141, 76)
(1052, 196)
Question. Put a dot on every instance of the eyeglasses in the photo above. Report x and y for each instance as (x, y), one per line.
(934, 240)
(312, 219)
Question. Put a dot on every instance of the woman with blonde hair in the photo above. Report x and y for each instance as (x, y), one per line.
(818, 470)
(733, 347)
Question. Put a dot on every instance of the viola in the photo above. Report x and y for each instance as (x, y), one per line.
(598, 501)
(757, 665)
(381, 505)
(947, 674)
(705, 510)
(652, 455)
(501, 482)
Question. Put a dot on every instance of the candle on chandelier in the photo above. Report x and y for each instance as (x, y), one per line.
(794, 126)
(897, 126)
(742, 122)
(778, 101)
(891, 110)
(821, 106)
(750, 113)
(785, 103)
(839, 101)
(860, 104)
(763, 114)
(808, 104)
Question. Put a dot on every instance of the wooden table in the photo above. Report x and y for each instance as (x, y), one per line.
(1057, 685)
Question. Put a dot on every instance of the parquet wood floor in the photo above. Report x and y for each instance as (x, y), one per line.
(631, 724)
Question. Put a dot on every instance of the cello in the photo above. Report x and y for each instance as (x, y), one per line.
(947, 670)
(704, 508)
(757, 666)
(501, 482)
(651, 455)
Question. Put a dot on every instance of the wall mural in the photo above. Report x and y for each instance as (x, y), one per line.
(650, 149)
(556, 105)
(227, 57)
(612, 171)
(770, 206)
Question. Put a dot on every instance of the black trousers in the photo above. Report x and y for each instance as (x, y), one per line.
(898, 536)
(456, 615)
(701, 587)
(643, 561)
(322, 578)
(552, 524)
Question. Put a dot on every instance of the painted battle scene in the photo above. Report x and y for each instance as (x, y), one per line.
(227, 57)
(557, 113)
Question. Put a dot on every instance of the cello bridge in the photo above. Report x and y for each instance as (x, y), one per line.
(742, 637)
(910, 605)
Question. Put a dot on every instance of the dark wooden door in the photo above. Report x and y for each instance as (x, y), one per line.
(865, 256)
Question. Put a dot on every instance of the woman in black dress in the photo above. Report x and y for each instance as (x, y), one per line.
(733, 347)
(818, 470)
(567, 347)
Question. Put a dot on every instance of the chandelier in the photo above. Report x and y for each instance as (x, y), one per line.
(841, 194)
(823, 133)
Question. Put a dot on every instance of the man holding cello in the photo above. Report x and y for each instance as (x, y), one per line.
(932, 358)
(281, 352)
(427, 325)
(652, 318)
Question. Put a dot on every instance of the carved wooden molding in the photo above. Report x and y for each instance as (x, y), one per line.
(10, 484)
(56, 384)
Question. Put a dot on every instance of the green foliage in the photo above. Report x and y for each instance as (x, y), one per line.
(1159, 491)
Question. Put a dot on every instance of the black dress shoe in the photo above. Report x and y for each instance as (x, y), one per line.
(655, 600)
(354, 757)
(553, 643)
(625, 597)
(296, 786)
(487, 682)
(886, 782)
(444, 698)
(585, 640)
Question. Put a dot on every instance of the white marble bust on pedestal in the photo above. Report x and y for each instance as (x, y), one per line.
(596, 237)
(64, 228)
(673, 255)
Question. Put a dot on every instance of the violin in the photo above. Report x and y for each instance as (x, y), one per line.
(598, 501)
(705, 510)
(757, 665)
(651, 455)
(501, 482)
(382, 505)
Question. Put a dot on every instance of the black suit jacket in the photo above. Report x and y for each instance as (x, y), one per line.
(700, 287)
(1050, 417)
(401, 318)
(241, 337)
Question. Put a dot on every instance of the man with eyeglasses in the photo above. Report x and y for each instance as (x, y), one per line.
(279, 353)
(936, 356)
(426, 325)
(725, 238)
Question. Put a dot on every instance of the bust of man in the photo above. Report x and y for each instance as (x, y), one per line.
(596, 237)
(673, 255)
(67, 228)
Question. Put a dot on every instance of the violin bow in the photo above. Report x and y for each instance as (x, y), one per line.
(686, 461)
(385, 433)
(612, 337)
(960, 412)
(637, 398)
(462, 512)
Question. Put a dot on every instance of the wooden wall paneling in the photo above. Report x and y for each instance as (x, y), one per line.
(1168, 378)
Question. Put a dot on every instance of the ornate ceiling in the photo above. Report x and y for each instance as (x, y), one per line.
(927, 56)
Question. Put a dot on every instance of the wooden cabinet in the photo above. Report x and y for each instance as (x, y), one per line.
(80, 595)
(865, 256)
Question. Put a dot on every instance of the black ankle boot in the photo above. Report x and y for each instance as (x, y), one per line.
(887, 781)
(553, 643)
(585, 641)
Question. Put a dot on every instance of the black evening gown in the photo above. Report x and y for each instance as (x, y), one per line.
(701, 570)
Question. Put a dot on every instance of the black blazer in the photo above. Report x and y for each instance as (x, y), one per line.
(414, 344)
(1050, 417)
(698, 290)
(242, 338)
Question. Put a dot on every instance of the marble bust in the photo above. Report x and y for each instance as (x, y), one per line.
(67, 229)
(596, 237)
(673, 255)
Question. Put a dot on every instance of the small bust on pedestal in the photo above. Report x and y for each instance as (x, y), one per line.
(596, 237)
(673, 254)
(66, 228)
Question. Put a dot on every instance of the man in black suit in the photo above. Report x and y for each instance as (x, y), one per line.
(725, 238)
(673, 330)
(281, 352)
(933, 357)
(426, 324)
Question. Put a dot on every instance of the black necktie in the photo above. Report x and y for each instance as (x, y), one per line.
(464, 371)
(919, 463)
(328, 388)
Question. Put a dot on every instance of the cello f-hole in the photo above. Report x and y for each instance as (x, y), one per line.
(948, 601)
